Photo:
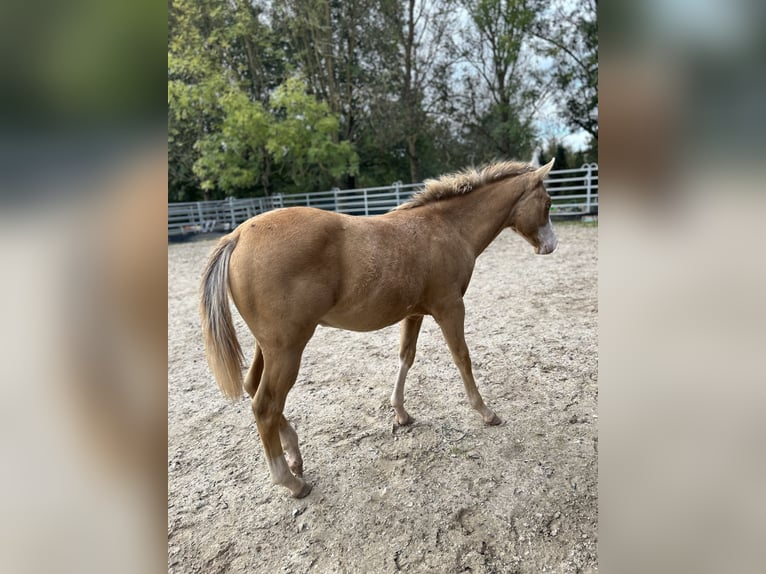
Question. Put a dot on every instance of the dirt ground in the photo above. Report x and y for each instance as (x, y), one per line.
(446, 494)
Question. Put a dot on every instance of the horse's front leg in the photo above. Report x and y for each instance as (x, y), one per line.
(408, 342)
(451, 321)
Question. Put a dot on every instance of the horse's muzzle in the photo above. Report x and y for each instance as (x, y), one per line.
(545, 249)
(547, 239)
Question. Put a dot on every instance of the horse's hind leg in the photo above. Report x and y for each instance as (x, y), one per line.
(253, 377)
(289, 439)
(408, 342)
(279, 374)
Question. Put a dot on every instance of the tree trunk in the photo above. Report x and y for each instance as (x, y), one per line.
(412, 153)
(410, 101)
(266, 178)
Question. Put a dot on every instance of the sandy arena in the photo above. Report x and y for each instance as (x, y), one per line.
(446, 494)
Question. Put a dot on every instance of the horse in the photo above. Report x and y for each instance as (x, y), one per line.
(289, 270)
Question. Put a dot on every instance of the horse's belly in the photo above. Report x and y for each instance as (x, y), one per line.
(358, 323)
(367, 317)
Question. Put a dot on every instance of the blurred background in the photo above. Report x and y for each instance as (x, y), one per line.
(681, 286)
(91, 151)
(83, 167)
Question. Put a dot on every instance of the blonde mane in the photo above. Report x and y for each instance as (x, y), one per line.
(465, 181)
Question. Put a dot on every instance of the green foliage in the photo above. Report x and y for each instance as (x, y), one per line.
(301, 139)
(501, 125)
(232, 157)
(565, 157)
(201, 67)
(235, 125)
(304, 95)
(293, 136)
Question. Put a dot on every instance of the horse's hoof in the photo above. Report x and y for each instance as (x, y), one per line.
(407, 421)
(495, 420)
(303, 492)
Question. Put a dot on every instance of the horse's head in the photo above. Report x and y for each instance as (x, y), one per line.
(530, 217)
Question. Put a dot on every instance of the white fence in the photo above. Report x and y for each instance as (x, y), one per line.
(574, 192)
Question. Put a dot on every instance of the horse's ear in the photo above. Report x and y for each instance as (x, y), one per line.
(542, 172)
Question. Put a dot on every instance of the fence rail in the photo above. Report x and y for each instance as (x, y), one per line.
(574, 192)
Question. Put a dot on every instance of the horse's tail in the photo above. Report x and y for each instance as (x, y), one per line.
(224, 354)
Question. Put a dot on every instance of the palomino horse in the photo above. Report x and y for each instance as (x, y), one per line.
(292, 269)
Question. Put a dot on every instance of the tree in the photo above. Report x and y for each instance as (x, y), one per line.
(268, 97)
(303, 139)
(190, 105)
(503, 93)
(367, 59)
(570, 36)
(234, 125)
(233, 157)
(566, 158)
(207, 59)
(419, 71)
(292, 138)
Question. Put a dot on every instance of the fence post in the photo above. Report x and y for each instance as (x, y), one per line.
(199, 211)
(366, 207)
(588, 187)
(397, 188)
(335, 191)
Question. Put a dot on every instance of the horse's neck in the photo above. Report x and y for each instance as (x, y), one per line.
(480, 216)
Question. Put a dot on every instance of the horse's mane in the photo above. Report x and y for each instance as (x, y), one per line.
(462, 182)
